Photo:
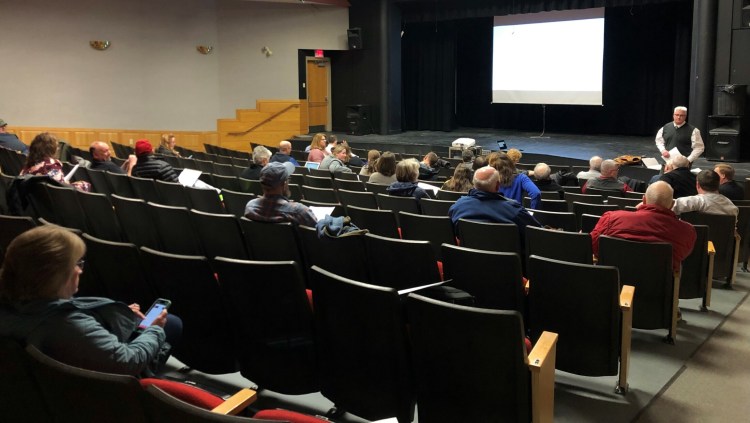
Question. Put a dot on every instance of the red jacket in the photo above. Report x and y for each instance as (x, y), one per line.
(650, 223)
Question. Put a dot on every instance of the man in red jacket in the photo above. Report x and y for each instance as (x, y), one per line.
(654, 221)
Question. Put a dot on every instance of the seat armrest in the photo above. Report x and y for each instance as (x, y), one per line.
(626, 297)
(237, 402)
(626, 330)
(711, 248)
(541, 362)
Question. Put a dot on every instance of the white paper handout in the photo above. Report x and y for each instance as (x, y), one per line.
(188, 177)
(651, 163)
(70, 174)
(425, 187)
(321, 212)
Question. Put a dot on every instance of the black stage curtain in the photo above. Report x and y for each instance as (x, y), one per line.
(646, 74)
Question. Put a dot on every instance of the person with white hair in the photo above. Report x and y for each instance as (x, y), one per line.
(681, 135)
(543, 179)
(595, 166)
(608, 179)
(677, 174)
(261, 156)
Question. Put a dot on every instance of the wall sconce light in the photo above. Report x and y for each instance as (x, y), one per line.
(267, 51)
(204, 49)
(99, 44)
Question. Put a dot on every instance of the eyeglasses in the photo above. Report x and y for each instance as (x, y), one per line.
(80, 264)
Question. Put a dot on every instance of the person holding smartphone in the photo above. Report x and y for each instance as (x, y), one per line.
(38, 279)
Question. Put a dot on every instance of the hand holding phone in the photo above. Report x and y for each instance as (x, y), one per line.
(154, 312)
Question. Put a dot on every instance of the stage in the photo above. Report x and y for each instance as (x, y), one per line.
(572, 146)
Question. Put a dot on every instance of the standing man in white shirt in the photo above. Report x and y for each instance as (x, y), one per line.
(680, 134)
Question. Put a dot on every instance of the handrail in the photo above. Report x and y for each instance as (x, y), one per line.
(270, 118)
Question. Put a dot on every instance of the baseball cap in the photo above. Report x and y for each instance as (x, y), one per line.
(3, 123)
(275, 173)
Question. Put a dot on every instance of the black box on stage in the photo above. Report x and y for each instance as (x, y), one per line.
(729, 100)
(723, 147)
(358, 119)
(354, 36)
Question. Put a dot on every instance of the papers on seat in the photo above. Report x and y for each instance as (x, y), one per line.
(651, 163)
(425, 186)
(70, 174)
(321, 212)
(188, 177)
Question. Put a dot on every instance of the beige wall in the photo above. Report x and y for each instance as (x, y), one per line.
(152, 77)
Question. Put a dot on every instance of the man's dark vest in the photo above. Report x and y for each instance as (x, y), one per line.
(678, 137)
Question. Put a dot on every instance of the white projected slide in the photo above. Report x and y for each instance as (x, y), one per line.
(549, 57)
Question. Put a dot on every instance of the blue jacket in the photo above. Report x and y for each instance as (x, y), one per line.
(517, 187)
(490, 207)
(407, 189)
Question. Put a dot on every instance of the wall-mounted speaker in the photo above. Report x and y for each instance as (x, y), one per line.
(725, 148)
(354, 35)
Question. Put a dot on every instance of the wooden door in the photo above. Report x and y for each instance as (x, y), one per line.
(318, 104)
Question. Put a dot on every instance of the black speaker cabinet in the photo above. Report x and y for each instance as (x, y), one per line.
(354, 35)
(724, 147)
(358, 119)
(729, 100)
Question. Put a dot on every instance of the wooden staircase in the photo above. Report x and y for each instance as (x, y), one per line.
(269, 123)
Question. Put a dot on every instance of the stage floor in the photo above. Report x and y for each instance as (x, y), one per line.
(574, 146)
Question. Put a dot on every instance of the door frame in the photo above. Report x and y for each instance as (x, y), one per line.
(327, 60)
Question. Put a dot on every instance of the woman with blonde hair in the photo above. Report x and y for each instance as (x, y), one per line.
(38, 281)
(166, 146)
(42, 161)
(317, 148)
(372, 158)
(514, 184)
(461, 180)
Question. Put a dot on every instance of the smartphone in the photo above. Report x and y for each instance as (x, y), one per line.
(156, 308)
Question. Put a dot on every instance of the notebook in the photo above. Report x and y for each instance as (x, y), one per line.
(312, 165)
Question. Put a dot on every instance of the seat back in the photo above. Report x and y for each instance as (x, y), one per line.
(489, 236)
(571, 197)
(73, 394)
(101, 220)
(177, 234)
(558, 220)
(694, 276)
(377, 188)
(348, 184)
(560, 245)
(346, 256)
(623, 202)
(219, 235)
(358, 198)
(120, 184)
(205, 199)
(189, 282)
(99, 181)
(172, 194)
(488, 381)
(493, 278)
(67, 209)
(235, 201)
(592, 209)
(272, 322)
(449, 195)
(22, 397)
(378, 222)
(271, 241)
(400, 264)
(432, 207)
(648, 267)
(397, 204)
(11, 227)
(722, 235)
(319, 195)
(228, 181)
(136, 222)
(324, 181)
(362, 344)
(579, 302)
(438, 230)
(145, 189)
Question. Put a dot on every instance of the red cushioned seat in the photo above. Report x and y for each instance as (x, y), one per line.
(187, 393)
(287, 415)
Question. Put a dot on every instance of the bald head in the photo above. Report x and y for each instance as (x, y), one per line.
(285, 147)
(541, 171)
(595, 163)
(486, 179)
(609, 168)
(679, 161)
(99, 151)
(659, 193)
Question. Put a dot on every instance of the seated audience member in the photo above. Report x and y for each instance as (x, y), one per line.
(514, 184)
(653, 221)
(728, 187)
(543, 179)
(369, 168)
(607, 180)
(284, 154)
(385, 170)
(407, 172)
(148, 166)
(354, 160)
(515, 155)
(101, 159)
(166, 146)
(11, 141)
(677, 174)
(461, 180)
(479, 162)
(708, 199)
(467, 156)
(335, 163)
(332, 141)
(485, 204)
(428, 167)
(274, 205)
(595, 165)
(42, 161)
(38, 282)
(317, 148)
(261, 157)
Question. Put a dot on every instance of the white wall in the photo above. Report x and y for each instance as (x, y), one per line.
(152, 77)
(246, 74)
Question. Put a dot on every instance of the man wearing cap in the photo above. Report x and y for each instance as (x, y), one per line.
(100, 155)
(149, 166)
(275, 206)
(11, 141)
